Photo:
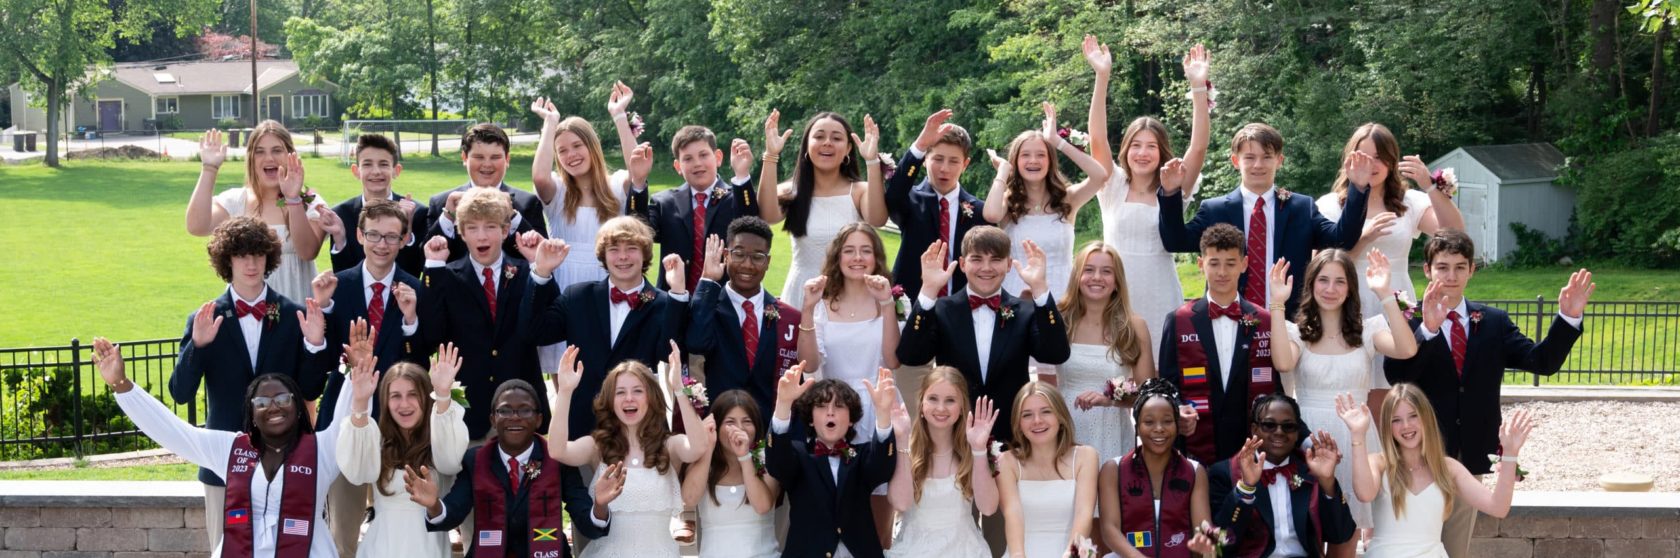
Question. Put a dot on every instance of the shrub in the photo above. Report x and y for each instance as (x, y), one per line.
(1628, 201)
(40, 403)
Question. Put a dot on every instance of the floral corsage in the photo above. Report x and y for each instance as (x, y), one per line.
(646, 296)
(1499, 452)
(901, 303)
(636, 126)
(272, 316)
(1445, 180)
(1120, 389)
(757, 454)
(307, 195)
(888, 166)
(1406, 307)
(458, 394)
(1216, 535)
(1081, 548)
(696, 394)
(994, 450)
(1213, 95)
(1079, 139)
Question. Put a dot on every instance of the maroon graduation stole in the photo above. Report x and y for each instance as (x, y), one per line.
(297, 500)
(1256, 534)
(1169, 535)
(492, 498)
(1193, 361)
(787, 336)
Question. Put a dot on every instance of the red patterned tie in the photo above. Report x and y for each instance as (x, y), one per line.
(616, 296)
(376, 310)
(1459, 342)
(514, 474)
(257, 310)
(696, 264)
(490, 292)
(993, 302)
(944, 231)
(1255, 289)
(749, 332)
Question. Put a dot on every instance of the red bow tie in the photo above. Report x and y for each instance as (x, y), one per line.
(1234, 311)
(1269, 476)
(822, 450)
(240, 309)
(975, 302)
(617, 296)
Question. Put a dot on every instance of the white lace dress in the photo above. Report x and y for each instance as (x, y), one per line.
(641, 516)
(731, 528)
(1047, 511)
(1107, 429)
(1151, 276)
(580, 264)
(399, 525)
(1415, 535)
(1316, 381)
(1055, 237)
(292, 278)
(828, 214)
(941, 524)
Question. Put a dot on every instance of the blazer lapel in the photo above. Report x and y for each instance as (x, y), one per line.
(962, 325)
(714, 203)
(1263, 505)
(731, 322)
(1470, 337)
(769, 332)
(1004, 333)
(1204, 331)
(264, 340)
(1280, 222)
(464, 271)
(356, 304)
(637, 313)
(224, 307)
(507, 301)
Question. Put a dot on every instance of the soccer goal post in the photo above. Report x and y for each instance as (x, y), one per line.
(411, 136)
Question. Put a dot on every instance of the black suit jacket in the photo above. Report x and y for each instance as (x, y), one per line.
(825, 511)
(459, 502)
(1230, 513)
(1468, 409)
(671, 214)
(946, 333)
(525, 203)
(1230, 403)
(454, 310)
(391, 347)
(1301, 229)
(225, 368)
(411, 258)
(581, 316)
(913, 205)
(714, 331)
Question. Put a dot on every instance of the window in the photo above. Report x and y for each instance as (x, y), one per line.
(307, 105)
(168, 105)
(224, 106)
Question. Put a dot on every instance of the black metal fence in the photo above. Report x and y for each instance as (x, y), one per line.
(1622, 343)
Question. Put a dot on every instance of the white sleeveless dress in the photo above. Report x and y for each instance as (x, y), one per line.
(292, 278)
(941, 524)
(580, 264)
(851, 353)
(1047, 511)
(1053, 235)
(731, 528)
(1396, 246)
(641, 516)
(1417, 534)
(1151, 276)
(828, 214)
(1316, 381)
(1109, 430)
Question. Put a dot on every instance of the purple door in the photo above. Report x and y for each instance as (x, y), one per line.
(110, 116)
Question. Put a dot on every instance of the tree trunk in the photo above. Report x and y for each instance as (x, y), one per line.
(467, 74)
(431, 70)
(1601, 23)
(55, 105)
(1653, 112)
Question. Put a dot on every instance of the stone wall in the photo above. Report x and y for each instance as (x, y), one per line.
(1582, 525)
(101, 519)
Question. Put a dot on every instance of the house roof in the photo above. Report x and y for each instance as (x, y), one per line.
(202, 78)
(1518, 162)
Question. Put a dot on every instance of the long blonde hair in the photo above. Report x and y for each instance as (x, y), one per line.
(605, 207)
(1434, 456)
(1021, 448)
(253, 205)
(1117, 331)
(921, 438)
(398, 447)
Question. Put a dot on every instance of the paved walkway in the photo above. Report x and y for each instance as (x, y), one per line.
(184, 150)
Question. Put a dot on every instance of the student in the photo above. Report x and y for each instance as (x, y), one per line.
(944, 471)
(1217, 350)
(513, 490)
(703, 206)
(249, 331)
(1464, 349)
(1108, 341)
(1286, 501)
(376, 167)
(734, 496)
(617, 319)
(474, 302)
(484, 153)
(1154, 495)
(827, 480)
(848, 326)
(929, 205)
(956, 330)
(1276, 223)
(1032, 200)
(275, 450)
(1043, 471)
(747, 336)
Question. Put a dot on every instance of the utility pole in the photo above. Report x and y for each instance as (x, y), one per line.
(255, 94)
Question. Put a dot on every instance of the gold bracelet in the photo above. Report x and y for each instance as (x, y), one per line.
(803, 328)
(768, 158)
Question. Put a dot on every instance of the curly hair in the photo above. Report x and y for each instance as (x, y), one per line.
(831, 261)
(303, 424)
(609, 433)
(624, 229)
(1223, 236)
(401, 448)
(750, 225)
(1308, 316)
(824, 391)
(1015, 187)
(1064, 432)
(805, 174)
(726, 402)
(242, 236)
(921, 438)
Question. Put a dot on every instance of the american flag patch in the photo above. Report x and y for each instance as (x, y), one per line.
(490, 538)
(295, 527)
(1260, 374)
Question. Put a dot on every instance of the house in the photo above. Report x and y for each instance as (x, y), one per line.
(1503, 184)
(187, 95)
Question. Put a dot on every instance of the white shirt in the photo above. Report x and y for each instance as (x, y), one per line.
(251, 327)
(985, 324)
(410, 324)
(780, 426)
(1225, 341)
(953, 205)
(616, 312)
(478, 272)
(523, 457)
(1270, 208)
(1464, 321)
(1283, 514)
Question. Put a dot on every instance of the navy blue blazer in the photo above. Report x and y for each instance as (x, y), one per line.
(224, 365)
(525, 203)
(1237, 518)
(1300, 229)
(574, 494)
(581, 316)
(913, 205)
(714, 331)
(946, 333)
(411, 258)
(1230, 403)
(671, 214)
(390, 348)
(1468, 409)
(818, 501)
(454, 309)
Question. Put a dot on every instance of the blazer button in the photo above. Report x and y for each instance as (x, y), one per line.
(836, 530)
(493, 353)
(492, 379)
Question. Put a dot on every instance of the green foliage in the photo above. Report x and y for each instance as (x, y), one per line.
(1629, 203)
(1535, 249)
(39, 403)
(229, 123)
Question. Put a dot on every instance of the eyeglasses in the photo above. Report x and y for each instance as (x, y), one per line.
(282, 400)
(756, 258)
(1270, 427)
(377, 238)
(509, 412)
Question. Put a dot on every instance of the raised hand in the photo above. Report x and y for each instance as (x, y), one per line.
(527, 244)
(109, 361)
(931, 129)
(1413, 169)
(1322, 458)
(791, 385)
(1196, 66)
(437, 248)
(406, 203)
(407, 301)
(1248, 461)
(618, 102)
(610, 485)
(736, 441)
(641, 163)
(869, 148)
(1187, 420)
(212, 151)
(450, 202)
(1282, 284)
(570, 374)
(901, 423)
(360, 346)
(879, 287)
(1096, 54)
(673, 369)
(1572, 298)
(936, 268)
(313, 323)
(713, 266)
(1433, 307)
(1513, 433)
(813, 288)
(980, 423)
(775, 138)
(675, 272)
(741, 157)
(1378, 225)
(1358, 168)
(882, 391)
(1376, 273)
(445, 365)
(1090, 399)
(324, 284)
(363, 382)
(999, 162)
(545, 110)
(1033, 272)
(332, 225)
(1052, 139)
(1172, 176)
(291, 175)
(1354, 414)
(550, 253)
(421, 488)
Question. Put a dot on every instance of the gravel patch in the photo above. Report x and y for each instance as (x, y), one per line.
(1576, 442)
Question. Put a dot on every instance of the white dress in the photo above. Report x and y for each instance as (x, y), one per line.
(851, 353)
(1417, 535)
(292, 278)
(1053, 235)
(1107, 429)
(1151, 275)
(1047, 511)
(1317, 379)
(731, 528)
(828, 215)
(940, 524)
(1396, 245)
(580, 264)
(399, 525)
(641, 516)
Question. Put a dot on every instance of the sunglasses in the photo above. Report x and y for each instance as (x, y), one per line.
(1270, 427)
(509, 412)
(282, 400)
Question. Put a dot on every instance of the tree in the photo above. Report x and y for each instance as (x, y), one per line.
(217, 46)
(56, 44)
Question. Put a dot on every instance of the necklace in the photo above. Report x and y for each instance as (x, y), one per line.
(274, 449)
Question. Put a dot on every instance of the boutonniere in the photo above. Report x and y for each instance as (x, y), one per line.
(1407, 309)
(1498, 453)
(532, 468)
(508, 271)
(1004, 315)
(888, 167)
(307, 195)
(1216, 535)
(272, 315)
(696, 394)
(646, 296)
(1249, 320)
(770, 313)
(1120, 389)
(994, 450)
(968, 210)
(901, 303)
(636, 124)
(850, 453)
(757, 454)
(1079, 139)
(718, 192)
(1283, 194)
(1445, 180)
(1081, 548)
(1475, 316)
(1295, 481)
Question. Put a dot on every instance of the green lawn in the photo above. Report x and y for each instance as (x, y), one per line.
(170, 472)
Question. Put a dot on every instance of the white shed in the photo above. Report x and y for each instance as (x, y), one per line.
(1503, 184)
